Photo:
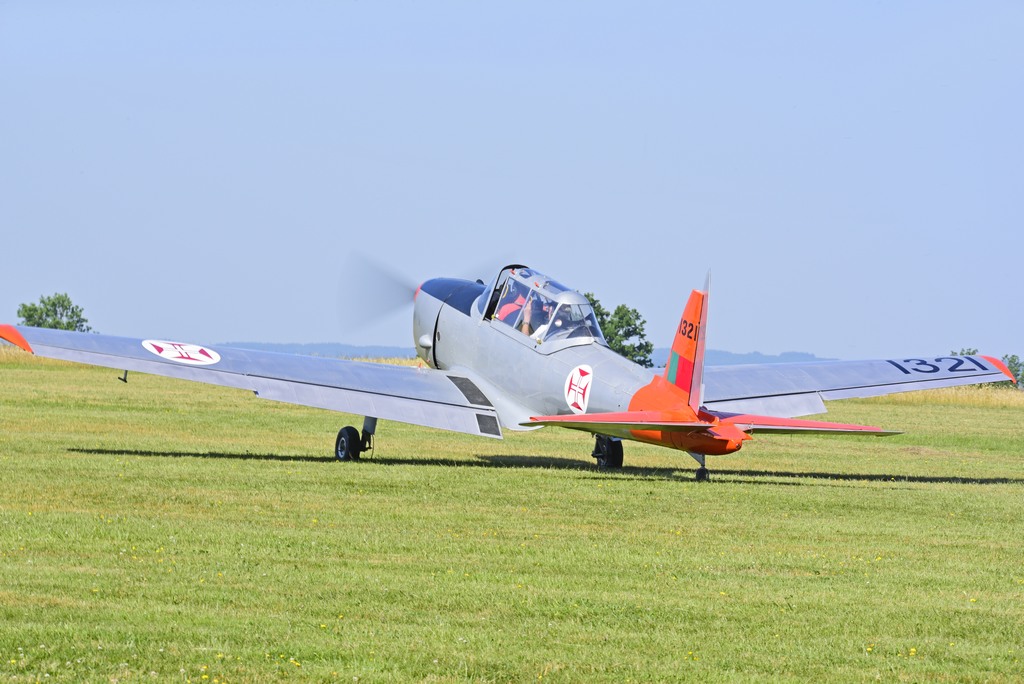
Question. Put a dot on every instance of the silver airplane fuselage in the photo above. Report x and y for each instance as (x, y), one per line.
(457, 326)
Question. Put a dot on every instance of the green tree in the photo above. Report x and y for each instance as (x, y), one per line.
(55, 311)
(624, 331)
(1016, 367)
(964, 351)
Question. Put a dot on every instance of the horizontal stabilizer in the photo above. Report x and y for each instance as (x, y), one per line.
(609, 423)
(789, 426)
(669, 421)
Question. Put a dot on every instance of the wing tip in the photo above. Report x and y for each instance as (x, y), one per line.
(11, 334)
(1001, 366)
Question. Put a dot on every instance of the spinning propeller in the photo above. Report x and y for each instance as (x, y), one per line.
(370, 291)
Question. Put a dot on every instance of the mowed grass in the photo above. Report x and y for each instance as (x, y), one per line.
(170, 531)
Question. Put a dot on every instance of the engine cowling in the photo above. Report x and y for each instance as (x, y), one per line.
(431, 298)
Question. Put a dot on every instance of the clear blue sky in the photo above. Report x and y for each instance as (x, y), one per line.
(852, 173)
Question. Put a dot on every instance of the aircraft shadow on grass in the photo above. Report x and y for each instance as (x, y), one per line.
(771, 477)
(481, 462)
(199, 454)
(745, 476)
(867, 477)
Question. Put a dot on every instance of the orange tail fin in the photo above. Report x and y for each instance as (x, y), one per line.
(685, 368)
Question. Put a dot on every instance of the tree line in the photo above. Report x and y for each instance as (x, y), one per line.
(623, 329)
(56, 311)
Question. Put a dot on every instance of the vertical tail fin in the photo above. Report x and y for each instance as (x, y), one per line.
(685, 367)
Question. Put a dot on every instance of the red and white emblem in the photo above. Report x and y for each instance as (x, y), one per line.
(577, 388)
(189, 354)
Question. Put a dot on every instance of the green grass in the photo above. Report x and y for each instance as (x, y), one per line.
(165, 530)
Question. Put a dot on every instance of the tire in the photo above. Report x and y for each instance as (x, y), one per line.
(609, 453)
(348, 444)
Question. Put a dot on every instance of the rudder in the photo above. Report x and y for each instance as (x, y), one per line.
(685, 368)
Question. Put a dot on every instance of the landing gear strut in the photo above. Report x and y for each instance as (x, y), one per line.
(608, 452)
(702, 474)
(350, 443)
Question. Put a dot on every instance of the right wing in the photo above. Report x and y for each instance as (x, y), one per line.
(450, 401)
(797, 389)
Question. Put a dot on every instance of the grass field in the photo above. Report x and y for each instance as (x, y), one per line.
(170, 531)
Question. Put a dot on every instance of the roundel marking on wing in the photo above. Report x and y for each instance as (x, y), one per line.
(181, 352)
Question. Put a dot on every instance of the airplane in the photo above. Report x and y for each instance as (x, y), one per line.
(526, 351)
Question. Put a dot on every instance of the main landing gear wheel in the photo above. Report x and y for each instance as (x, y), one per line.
(608, 452)
(348, 445)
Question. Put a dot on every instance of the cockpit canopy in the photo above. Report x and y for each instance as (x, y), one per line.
(542, 308)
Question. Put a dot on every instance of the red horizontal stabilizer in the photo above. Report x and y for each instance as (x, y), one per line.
(11, 334)
(669, 421)
(717, 433)
(775, 425)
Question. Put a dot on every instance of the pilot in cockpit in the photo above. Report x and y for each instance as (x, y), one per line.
(512, 300)
(536, 316)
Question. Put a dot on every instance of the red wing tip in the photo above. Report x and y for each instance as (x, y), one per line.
(774, 423)
(11, 334)
(1001, 366)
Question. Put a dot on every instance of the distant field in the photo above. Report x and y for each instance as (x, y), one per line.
(171, 531)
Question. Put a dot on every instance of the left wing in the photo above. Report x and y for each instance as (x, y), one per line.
(798, 389)
(450, 401)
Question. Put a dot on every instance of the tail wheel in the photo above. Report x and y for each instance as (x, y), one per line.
(348, 444)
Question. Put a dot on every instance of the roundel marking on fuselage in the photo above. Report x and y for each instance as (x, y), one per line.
(577, 388)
